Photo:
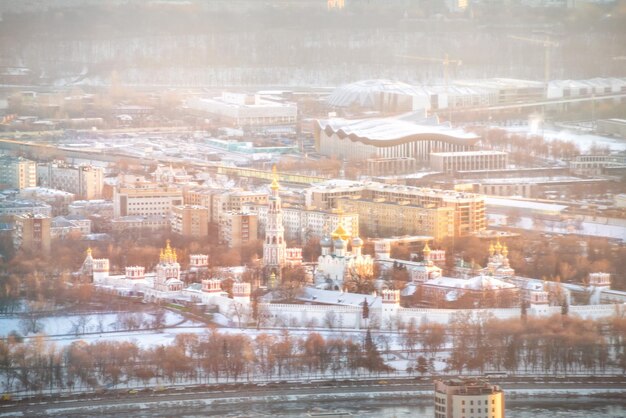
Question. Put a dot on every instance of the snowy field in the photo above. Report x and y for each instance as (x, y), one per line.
(584, 141)
(557, 227)
(92, 325)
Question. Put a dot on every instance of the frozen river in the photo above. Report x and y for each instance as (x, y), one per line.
(522, 407)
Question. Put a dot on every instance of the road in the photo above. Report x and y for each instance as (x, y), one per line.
(228, 397)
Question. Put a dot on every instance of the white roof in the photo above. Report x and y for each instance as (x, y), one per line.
(335, 297)
(473, 283)
(524, 204)
(389, 129)
(365, 92)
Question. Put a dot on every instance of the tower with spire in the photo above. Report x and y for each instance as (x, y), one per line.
(274, 246)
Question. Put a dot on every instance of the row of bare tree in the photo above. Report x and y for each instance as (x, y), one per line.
(471, 343)
(38, 365)
(559, 344)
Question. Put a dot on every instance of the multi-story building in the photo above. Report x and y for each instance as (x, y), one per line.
(63, 226)
(57, 199)
(596, 164)
(17, 172)
(450, 162)
(84, 181)
(469, 209)
(381, 218)
(32, 232)
(152, 222)
(302, 224)
(103, 208)
(468, 398)
(204, 196)
(145, 199)
(190, 220)
(22, 207)
(238, 228)
(234, 201)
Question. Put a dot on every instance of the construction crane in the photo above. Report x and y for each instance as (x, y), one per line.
(547, 44)
(445, 61)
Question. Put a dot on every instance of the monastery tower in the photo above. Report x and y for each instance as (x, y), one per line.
(274, 247)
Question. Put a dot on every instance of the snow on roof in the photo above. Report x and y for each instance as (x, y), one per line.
(390, 129)
(335, 297)
(364, 92)
(473, 283)
(524, 204)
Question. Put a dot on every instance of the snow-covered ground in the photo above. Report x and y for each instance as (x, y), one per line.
(584, 141)
(561, 227)
(79, 324)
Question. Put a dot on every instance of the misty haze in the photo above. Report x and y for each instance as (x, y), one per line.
(313, 208)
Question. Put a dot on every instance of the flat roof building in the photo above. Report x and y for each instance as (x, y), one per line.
(190, 220)
(237, 228)
(32, 232)
(17, 172)
(468, 398)
(469, 208)
(238, 109)
(450, 162)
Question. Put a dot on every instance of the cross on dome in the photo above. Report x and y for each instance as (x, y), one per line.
(340, 232)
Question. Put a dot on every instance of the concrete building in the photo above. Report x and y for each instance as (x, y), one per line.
(204, 196)
(468, 398)
(381, 218)
(103, 208)
(85, 181)
(450, 162)
(387, 138)
(190, 221)
(17, 172)
(238, 228)
(32, 232)
(592, 165)
(21, 207)
(234, 201)
(62, 226)
(469, 208)
(151, 222)
(145, 199)
(57, 199)
(245, 110)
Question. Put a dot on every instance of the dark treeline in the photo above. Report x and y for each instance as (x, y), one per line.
(557, 345)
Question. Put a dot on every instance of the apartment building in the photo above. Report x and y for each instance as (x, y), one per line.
(238, 228)
(145, 199)
(32, 232)
(379, 218)
(190, 220)
(85, 181)
(469, 208)
(17, 172)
